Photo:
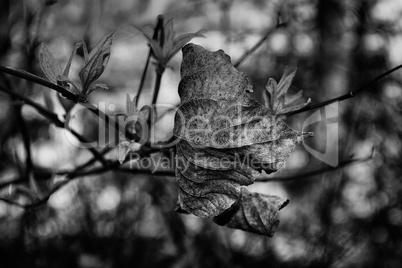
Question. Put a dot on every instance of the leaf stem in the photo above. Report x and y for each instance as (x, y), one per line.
(159, 72)
(157, 29)
(143, 76)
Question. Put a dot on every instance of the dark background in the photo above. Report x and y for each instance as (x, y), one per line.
(350, 217)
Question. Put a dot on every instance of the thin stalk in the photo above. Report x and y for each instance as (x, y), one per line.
(159, 72)
(258, 44)
(26, 140)
(158, 78)
(143, 76)
(24, 133)
(157, 29)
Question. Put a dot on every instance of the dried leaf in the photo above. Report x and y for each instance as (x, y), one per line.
(253, 212)
(226, 139)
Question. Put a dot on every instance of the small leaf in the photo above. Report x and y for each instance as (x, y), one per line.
(97, 61)
(85, 50)
(295, 107)
(70, 60)
(27, 192)
(169, 37)
(131, 105)
(277, 98)
(293, 98)
(272, 90)
(48, 64)
(33, 184)
(183, 39)
(66, 103)
(165, 45)
(94, 87)
(48, 100)
(285, 82)
(124, 148)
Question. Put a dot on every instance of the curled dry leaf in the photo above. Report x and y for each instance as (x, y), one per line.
(253, 212)
(226, 139)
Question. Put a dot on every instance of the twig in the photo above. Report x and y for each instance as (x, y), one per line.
(346, 96)
(69, 95)
(316, 172)
(258, 44)
(144, 74)
(26, 140)
(158, 79)
(160, 68)
(38, 80)
(24, 132)
(158, 27)
(11, 202)
(54, 119)
(115, 166)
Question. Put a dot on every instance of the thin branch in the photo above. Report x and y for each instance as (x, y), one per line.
(11, 202)
(318, 171)
(258, 44)
(158, 27)
(26, 140)
(165, 173)
(115, 166)
(143, 76)
(346, 96)
(54, 119)
(38, 80)
(24, 133)
(159, 73)
(69, 95)
(12, 181)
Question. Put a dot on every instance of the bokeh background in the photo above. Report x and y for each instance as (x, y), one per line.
(349, 217)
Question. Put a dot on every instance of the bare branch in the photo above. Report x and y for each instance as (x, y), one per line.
(54, 119)
(318, 171)
(346, 96)
(69, 95)
(258, 44)
(38, 80)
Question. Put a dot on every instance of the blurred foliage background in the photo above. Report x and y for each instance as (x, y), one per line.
(350, 217)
